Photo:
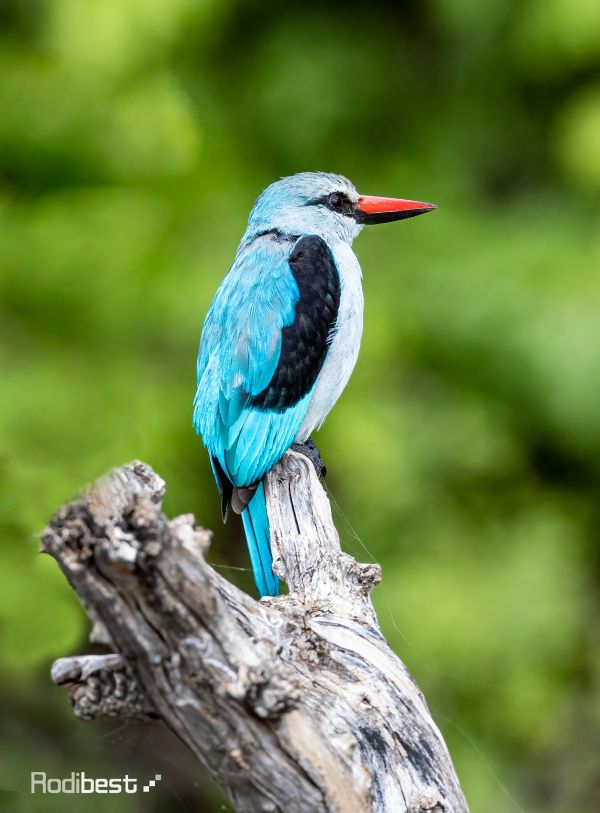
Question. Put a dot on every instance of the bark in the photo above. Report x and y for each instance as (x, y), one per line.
(293, 703)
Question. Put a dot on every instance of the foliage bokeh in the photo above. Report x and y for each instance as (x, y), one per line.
(464, 456)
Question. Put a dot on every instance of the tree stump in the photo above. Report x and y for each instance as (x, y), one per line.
(294, 703)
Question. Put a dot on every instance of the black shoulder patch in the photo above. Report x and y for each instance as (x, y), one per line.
(305, 342)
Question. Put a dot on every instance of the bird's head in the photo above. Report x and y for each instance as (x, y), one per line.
(325, 204)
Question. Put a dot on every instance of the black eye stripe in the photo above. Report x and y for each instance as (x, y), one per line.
(337, 202)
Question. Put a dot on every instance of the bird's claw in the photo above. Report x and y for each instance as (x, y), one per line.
(309, 450)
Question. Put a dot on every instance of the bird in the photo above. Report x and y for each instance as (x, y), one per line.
(281, 338)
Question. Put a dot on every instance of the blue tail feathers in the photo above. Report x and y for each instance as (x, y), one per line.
(258, 537)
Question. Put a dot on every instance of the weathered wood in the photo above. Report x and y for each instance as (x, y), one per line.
(293, 703)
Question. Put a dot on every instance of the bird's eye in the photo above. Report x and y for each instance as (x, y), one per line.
(336, 201)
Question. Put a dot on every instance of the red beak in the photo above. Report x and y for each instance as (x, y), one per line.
(373, 209)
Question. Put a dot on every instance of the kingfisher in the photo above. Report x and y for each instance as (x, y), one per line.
(281, 338)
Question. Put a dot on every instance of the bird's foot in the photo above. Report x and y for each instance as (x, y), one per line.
(309, 449)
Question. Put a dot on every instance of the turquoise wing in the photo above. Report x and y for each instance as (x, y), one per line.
(239, 353)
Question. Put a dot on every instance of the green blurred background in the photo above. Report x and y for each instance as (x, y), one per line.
(465, 454)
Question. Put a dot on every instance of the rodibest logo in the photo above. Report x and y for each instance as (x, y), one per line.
(79, 782)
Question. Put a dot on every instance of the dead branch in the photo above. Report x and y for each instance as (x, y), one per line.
(294, 704)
